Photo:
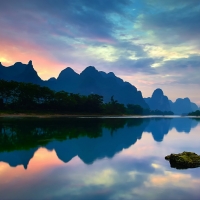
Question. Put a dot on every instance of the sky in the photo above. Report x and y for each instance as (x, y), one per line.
(149, 43)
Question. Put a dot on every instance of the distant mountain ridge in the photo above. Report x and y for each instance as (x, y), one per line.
(20, 72)
(89, 81)
(158, 101)
(183, 106)
(92, 81)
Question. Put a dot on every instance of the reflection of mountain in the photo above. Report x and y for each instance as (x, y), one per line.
(19, 157)
(183, 124)
(159, 127)
(94, 139)
(90, 149)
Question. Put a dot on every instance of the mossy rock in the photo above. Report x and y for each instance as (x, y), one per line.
(184, 160)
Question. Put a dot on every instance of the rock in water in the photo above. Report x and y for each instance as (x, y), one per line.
(184, 160)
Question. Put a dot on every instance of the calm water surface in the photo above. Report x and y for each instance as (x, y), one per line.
(102, 158)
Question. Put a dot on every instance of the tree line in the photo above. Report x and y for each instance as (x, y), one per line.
(195, 113)
(28, 97)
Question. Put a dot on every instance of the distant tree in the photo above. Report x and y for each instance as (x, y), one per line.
(113, 107)
(134, 109)
(195, 113)
(93, 103)
(159, 112)
(1, 104)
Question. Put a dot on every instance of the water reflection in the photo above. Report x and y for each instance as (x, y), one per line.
(98, 159)
(18, 157)
(89, 139)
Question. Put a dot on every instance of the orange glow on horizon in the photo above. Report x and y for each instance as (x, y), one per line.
(45, 65)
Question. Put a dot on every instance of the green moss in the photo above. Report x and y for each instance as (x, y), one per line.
(184, 160)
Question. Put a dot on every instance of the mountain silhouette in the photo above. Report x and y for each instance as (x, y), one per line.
(92, 81)
(183, 106)
(20, 72)
(89, 81)
(158, 101)
(194, 107)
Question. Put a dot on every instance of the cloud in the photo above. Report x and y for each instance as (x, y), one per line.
(172, 22)
(170, 4)
(132, 66)
(66, 31)
(183, 70)
(83, 19)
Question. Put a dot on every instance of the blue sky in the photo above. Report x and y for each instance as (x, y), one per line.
(149, 43)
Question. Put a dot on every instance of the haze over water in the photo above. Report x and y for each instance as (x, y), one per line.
(97, 158)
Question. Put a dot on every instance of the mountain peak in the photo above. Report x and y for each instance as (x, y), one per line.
(186, 99)
(183, 100)
(66, 74)
(157, 93)
(18, 63)
(67, 70)
(111, 74)
(90, 71)
(90, 68)
(158, 101)
(52, 79)
(30, 63)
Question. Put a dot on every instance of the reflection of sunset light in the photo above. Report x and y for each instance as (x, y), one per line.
(143, 147)
(42, 160)
(137, 170)
(169, 178)
(3, 167)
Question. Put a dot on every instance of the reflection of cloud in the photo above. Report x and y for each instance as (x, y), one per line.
(170, 179)
(138, 172)
(105, 178)
(156, 166)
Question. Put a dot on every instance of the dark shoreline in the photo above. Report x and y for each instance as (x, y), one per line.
(47, 115)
